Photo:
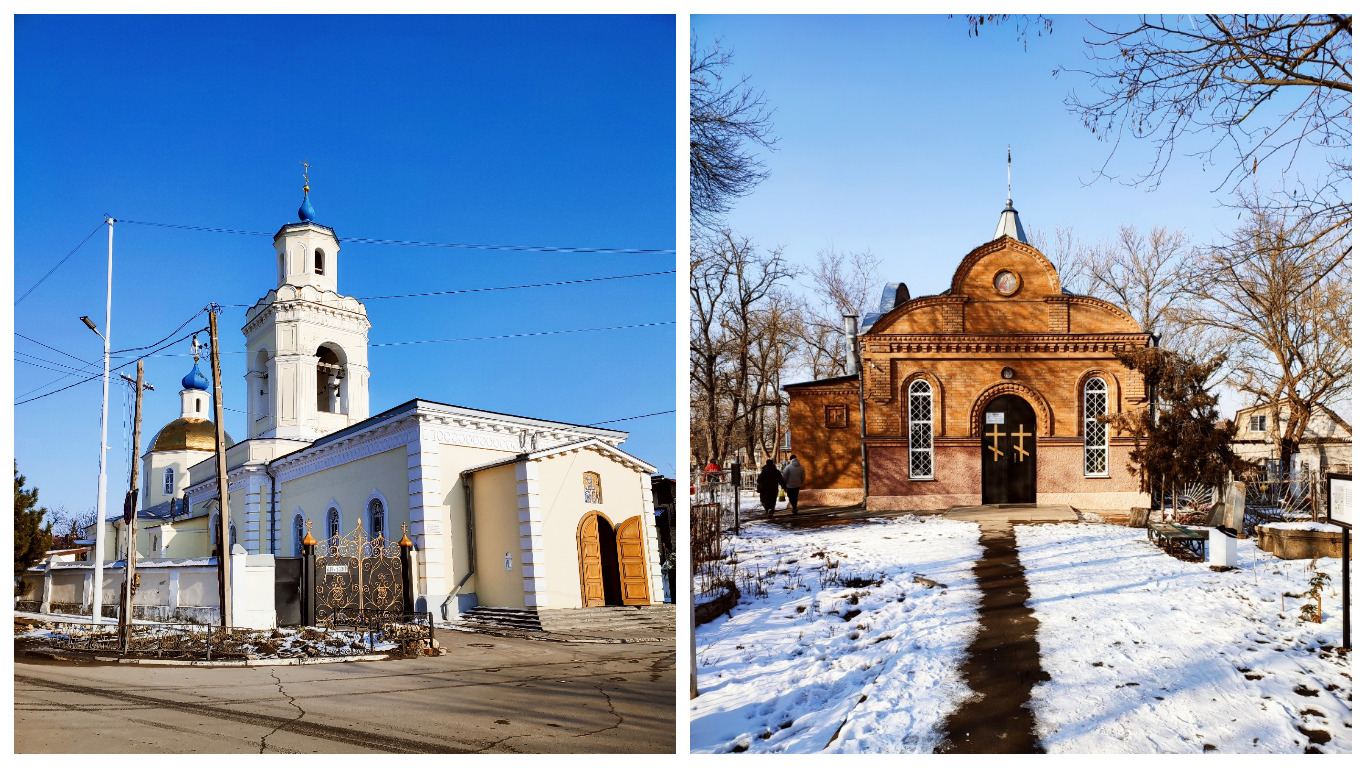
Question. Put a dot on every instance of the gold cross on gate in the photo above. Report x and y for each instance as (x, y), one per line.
(994, 434)
(1022, 434)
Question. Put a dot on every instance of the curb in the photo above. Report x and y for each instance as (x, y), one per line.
(64, 656)
(552, 637)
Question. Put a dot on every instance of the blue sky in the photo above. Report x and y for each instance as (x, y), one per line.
(541, 131)
(893, 135)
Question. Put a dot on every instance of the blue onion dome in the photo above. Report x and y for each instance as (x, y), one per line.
(306, 210)
(195, 380)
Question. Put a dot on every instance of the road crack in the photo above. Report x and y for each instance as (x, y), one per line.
(611, 710)
(280, 684)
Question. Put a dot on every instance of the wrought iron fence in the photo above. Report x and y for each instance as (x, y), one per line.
(358, 577)
(200, 641)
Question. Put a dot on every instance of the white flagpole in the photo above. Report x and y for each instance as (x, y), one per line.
(98, 588)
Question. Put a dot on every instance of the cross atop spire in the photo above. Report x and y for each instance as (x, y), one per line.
(306, 167)
(1008, 195)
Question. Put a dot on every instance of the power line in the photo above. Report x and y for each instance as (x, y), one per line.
(111, 370)
(58, 264)
(630, 418)
(520, 335)
(163, 338)
(425, 244)
(499, 288)
(54, 349)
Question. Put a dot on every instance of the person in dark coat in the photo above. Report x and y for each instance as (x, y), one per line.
(770, 479)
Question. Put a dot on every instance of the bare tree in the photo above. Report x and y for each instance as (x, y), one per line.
(841, 283)
(1285, 307)
(1069, 256)
(1024, 24)
(726, 127)
(732, 348)
(1191, 75)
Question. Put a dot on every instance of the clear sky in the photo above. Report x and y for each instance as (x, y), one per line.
(535, 131)
(893, 135)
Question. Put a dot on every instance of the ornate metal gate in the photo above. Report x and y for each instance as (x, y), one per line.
(358, 578)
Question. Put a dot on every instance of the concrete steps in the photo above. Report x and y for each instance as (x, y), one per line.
(487, 617)
(653, 619)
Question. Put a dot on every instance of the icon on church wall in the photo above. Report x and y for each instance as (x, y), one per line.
(1006, 282)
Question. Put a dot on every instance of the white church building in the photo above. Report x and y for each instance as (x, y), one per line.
(503, 510)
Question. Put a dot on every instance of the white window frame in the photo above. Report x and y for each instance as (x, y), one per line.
(1256, 423)
(168, 481)
(919, 388)
(1087, 447)
(383, 517)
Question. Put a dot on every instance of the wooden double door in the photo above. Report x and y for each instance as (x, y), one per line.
(613, 567)
(1009, 451)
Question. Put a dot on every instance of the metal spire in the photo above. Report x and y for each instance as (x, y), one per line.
(1008, 195)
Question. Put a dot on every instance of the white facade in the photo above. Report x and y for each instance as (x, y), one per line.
(308, 372)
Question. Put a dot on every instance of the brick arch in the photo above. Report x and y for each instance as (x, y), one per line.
(939, 427)
(1000, 244)
(1043, 413)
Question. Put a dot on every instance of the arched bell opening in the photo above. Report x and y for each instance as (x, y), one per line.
(331, 383)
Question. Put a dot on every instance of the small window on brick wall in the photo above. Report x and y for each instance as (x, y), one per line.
(920, 430)
(836, 416)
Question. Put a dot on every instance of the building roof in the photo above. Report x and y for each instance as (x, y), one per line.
(822, 382)
(1010, 225)
(592, 443)
(187, 433)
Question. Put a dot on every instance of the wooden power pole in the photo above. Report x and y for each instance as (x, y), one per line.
(224, 573)
(130, 516)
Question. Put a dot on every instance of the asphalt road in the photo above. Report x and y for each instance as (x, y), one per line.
(490, 694)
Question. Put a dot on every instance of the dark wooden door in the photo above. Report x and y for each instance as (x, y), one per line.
(1009, 452)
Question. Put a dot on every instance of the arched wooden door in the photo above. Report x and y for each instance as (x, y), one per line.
(1009, 451)
(635, 572)
(590, 561)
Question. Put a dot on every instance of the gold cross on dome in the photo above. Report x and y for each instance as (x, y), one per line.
(306, 167)
(994, 434)
(1022, 434)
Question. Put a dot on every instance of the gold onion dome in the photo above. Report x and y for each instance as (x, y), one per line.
(187, 433)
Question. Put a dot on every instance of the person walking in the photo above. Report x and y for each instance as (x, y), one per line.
(770, 479)
(793, 477)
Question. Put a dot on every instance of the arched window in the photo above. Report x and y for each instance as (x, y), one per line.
(592, 488)
(283, 271)
(1096, 460)
(298, 535)
(318, 260)
(376, 510)
(198, 409)
(214, 522)
(920, 430)
(333, 522)
(152, 548)
(232, 536)
(168, 481)
(330, 373)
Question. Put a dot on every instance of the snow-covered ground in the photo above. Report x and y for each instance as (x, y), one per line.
(1149, 654)
(283, 643)
(846, 651)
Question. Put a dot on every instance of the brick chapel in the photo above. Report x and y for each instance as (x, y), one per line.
(986, 393)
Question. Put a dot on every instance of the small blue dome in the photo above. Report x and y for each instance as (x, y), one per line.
(306, 210)
(195, 380)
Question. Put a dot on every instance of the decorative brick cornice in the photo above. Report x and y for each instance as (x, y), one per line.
(924, 343)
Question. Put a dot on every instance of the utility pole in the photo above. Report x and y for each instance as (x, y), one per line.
(97, 599)
(224, 573)
(130, 516)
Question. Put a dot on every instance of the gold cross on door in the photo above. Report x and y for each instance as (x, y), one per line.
(1022, 434)
(994, 434)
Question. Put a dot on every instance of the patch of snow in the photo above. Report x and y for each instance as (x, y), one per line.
(1303, 526)
(1150, 654)
(858, 657)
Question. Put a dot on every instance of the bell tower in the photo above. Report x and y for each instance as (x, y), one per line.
(307, 367)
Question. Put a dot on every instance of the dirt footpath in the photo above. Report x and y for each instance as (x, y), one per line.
(491, 694)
